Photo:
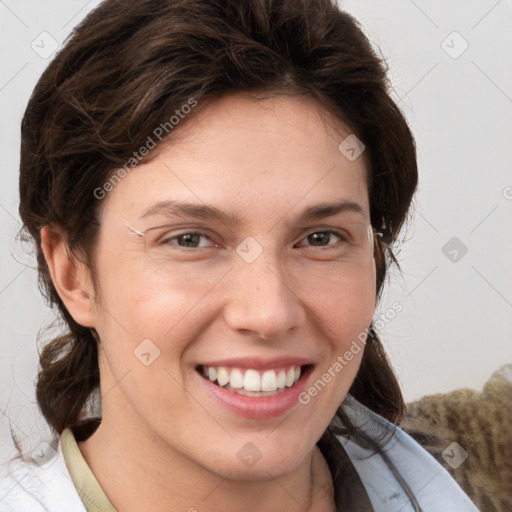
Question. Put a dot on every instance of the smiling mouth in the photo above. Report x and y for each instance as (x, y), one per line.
(252, 382)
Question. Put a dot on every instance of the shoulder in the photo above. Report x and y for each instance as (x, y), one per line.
(404, 463)
(39, 483)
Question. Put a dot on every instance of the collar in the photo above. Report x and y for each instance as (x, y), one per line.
(92, 495)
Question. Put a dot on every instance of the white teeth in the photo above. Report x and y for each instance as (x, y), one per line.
(290, 377)
(281, 379)
(237, 379)
(222, 376)
(269, 381)
(251, 380)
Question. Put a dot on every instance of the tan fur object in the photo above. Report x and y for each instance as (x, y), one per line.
(479, 424)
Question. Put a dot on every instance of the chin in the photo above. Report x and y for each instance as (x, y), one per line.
(249, 463)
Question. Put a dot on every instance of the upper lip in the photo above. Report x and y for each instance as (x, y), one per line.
(259, 363)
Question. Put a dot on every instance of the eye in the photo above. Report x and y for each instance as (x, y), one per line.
(189, 240)
(322, 238)
(192, 239)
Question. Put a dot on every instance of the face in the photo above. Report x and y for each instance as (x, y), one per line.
(250, 299)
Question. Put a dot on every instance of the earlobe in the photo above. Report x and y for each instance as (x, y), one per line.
(71, 277)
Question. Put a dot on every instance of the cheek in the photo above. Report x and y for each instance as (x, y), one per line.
(144, 300)
(345, 299)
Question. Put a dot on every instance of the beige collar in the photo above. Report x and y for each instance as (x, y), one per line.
(92, 495)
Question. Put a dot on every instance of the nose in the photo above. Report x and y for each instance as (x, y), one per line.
(263, 302)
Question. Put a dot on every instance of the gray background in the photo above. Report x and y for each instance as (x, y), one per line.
(454, 330)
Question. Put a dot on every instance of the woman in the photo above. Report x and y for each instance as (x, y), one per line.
(212, 188)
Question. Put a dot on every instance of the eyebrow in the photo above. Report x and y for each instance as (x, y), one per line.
(328, 209)
(204, 211)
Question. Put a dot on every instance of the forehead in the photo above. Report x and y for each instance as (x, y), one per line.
(270, 153)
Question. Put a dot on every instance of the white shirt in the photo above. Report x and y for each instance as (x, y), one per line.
(47, 486)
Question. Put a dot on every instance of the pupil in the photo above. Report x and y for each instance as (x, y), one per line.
(321, 236)
(189, 239)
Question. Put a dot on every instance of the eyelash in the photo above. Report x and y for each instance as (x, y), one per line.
(167, 241)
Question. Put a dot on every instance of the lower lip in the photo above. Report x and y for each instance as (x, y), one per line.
(265, 407)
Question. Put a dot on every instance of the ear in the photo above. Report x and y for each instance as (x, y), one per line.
(71, 277)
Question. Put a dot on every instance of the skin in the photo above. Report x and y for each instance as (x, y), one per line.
(266, 161)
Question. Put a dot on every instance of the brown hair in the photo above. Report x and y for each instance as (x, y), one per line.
(125, 70)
